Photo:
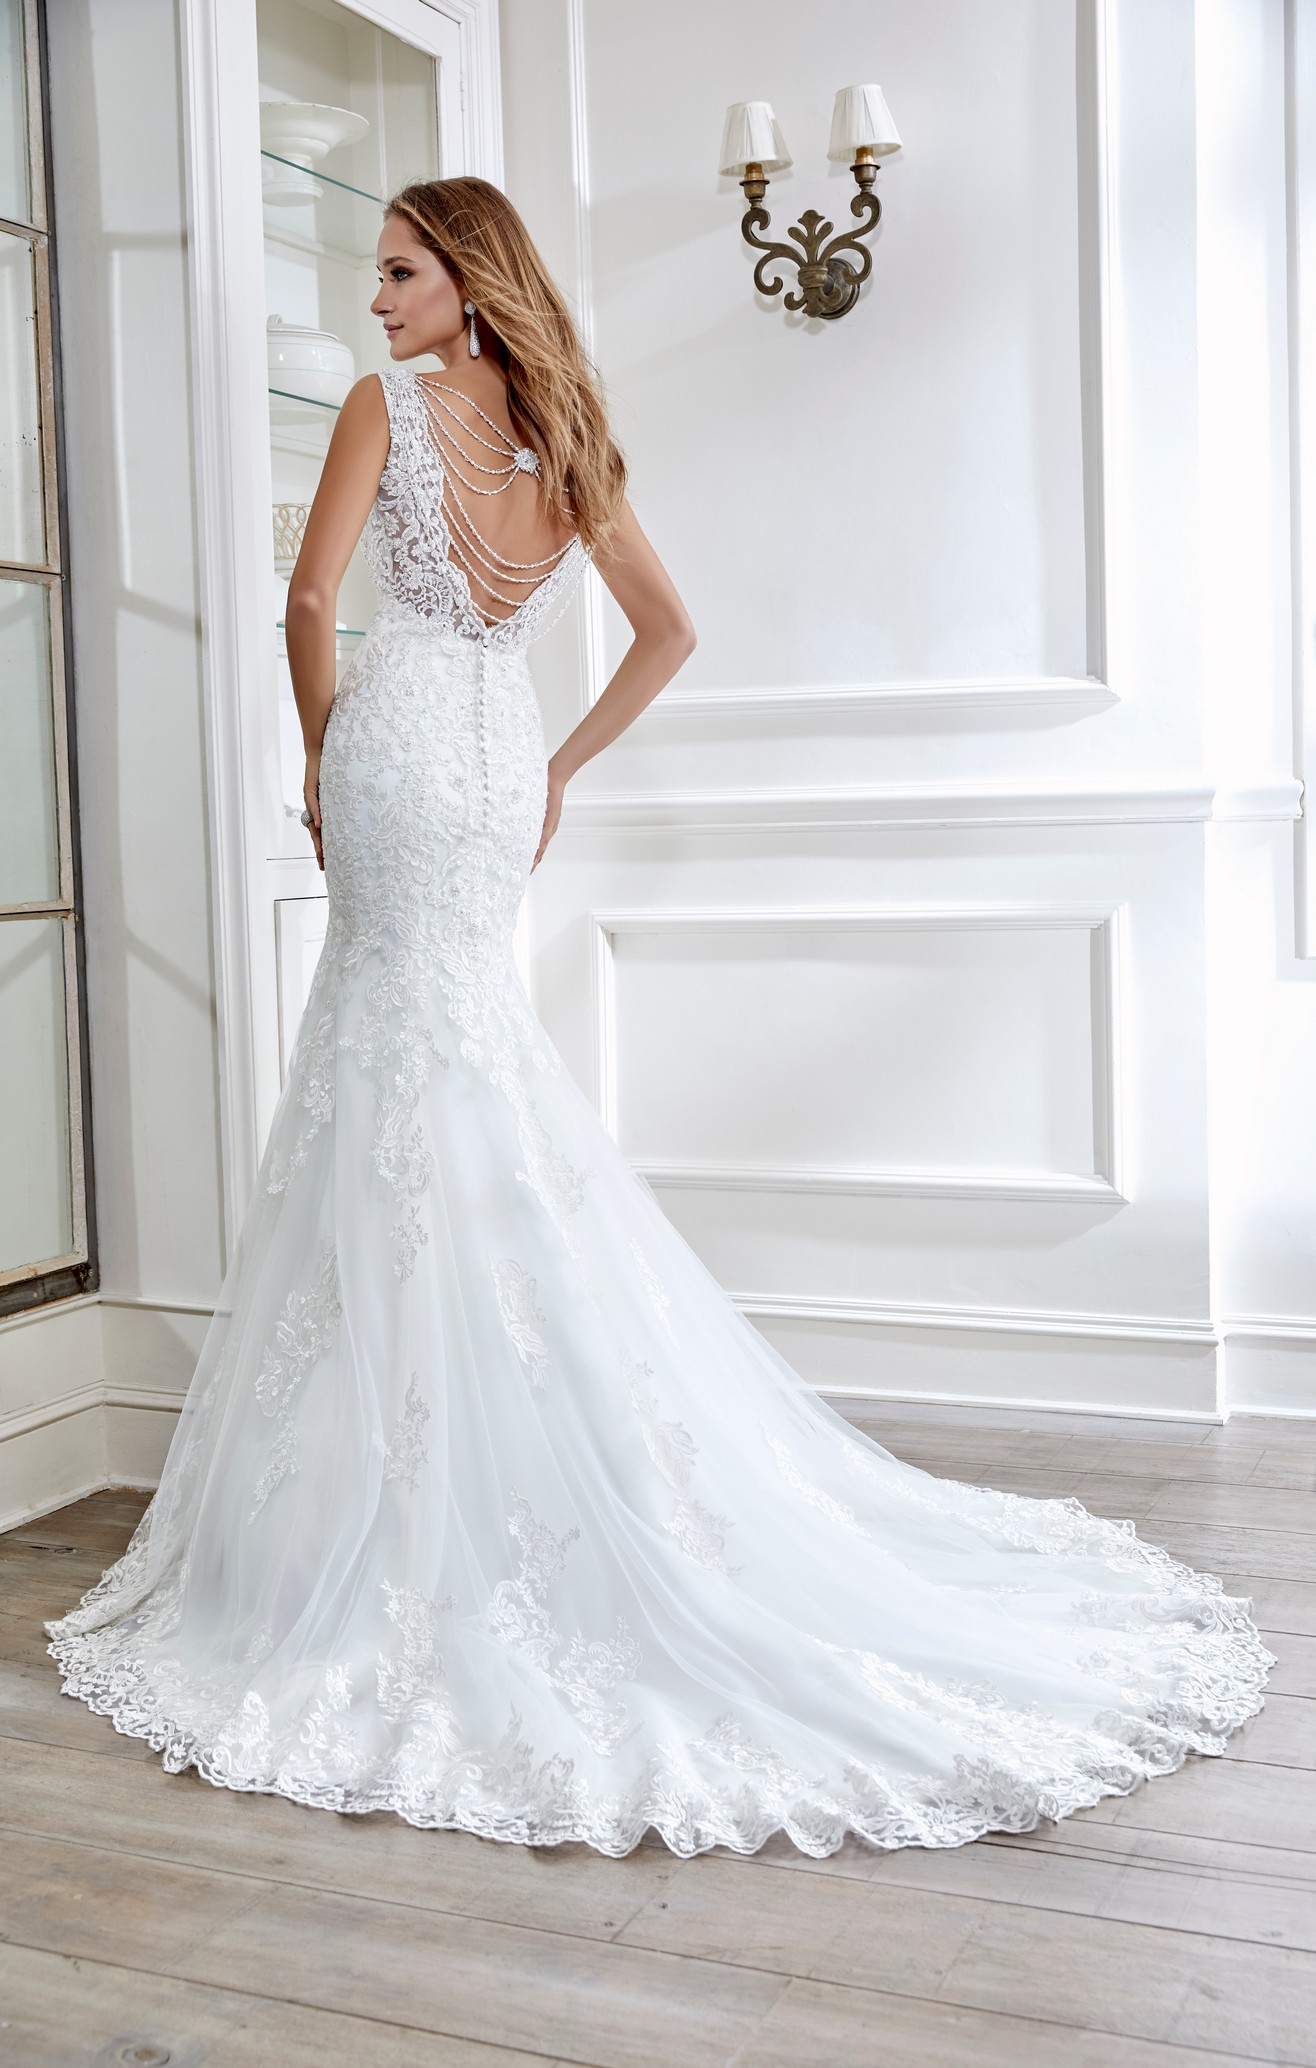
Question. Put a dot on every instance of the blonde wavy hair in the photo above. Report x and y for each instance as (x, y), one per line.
(553, 391)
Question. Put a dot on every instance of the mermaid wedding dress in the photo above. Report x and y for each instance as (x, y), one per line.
(486, 1506)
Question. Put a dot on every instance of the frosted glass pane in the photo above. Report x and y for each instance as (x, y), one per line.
(22, 523)
(36, 1210)
(29, 851)
(409, 96)
(15, 201)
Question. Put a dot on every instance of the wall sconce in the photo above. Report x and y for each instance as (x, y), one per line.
(753, 146)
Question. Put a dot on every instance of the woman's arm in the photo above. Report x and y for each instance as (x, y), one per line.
(353, 465)
(664, 637)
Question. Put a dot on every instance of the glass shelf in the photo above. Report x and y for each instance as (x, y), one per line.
(340, 631)
(301, 424)
(288, 407)
(337, 218)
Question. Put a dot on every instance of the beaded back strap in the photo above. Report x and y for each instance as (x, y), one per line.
(460, 446)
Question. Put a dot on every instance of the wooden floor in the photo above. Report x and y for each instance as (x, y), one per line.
(147, 1917)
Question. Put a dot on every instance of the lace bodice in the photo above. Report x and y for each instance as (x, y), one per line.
(408, 546)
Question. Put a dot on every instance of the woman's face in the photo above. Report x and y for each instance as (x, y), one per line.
(420, 301)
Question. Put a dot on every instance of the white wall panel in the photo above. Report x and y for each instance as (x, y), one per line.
(964, 1052)
(879, 717)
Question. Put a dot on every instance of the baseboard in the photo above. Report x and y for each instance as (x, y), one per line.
(89, 1398)
(1074, 1364)
(1270, 1365)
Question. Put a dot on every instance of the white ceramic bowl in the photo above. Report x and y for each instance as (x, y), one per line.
(303, 132)
(311, 363)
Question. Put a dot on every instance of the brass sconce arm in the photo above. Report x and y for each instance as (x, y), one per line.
(828, 283)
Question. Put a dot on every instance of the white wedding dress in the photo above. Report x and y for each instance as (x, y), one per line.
(486, 1506)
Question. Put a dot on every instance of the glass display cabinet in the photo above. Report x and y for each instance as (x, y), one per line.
(304, 116)
(348, 113)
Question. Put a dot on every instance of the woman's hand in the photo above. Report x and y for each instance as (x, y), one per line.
(552, 813)
(311, 793)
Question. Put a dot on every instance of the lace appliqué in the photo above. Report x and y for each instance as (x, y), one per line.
(589, 1674)
(590, 1671)
(726, 1739)
(329, 1739)
(405, 1455)
(313, 1073)
(413, 1675)
(700, 1533)
(657, 1291)
(817, 1497)
(518, 1611)
(307, 1327)
(522, 1317)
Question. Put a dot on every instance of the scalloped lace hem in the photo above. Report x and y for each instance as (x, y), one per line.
(988, 1794)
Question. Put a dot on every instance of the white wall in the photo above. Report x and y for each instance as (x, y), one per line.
(120, 221)
(961, 568)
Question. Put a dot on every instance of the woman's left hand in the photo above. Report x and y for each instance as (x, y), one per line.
(552, 813)
(311, 796)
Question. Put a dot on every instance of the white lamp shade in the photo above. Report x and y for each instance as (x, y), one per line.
(861, 120)
(752, 137)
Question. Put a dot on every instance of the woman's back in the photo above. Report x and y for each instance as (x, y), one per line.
(499, 532)
(459, 530)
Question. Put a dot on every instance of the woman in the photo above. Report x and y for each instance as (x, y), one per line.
(486, 1506)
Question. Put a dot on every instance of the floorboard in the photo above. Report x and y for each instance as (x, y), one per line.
(1173, 1928)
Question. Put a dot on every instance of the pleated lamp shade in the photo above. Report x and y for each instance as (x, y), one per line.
(752, 137)
(861, 120)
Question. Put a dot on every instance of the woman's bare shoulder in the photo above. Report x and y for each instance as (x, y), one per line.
(365, 399)
(363, 421)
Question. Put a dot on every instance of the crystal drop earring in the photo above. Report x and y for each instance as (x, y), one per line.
(475, 336)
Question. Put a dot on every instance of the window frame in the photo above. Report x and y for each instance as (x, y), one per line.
(76, 1271)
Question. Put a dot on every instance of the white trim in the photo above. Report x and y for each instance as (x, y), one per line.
(1253, 803)
(1270, 1365)
(1021, 918)
(168, 1399)
(593, 676)
(223, 170)
(152, 1306)
(1014, 1321)
(1261, 1328)
(480, 83)
(1102, 1186)
(1050, 1187)
(1098, 271)
(1300, 210)
(848, 699)
(20, 1517)
(918, 809)
(48, 1310)
(904, 808)
(854, 1396)
(1244, 1412)
(24, 1420)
